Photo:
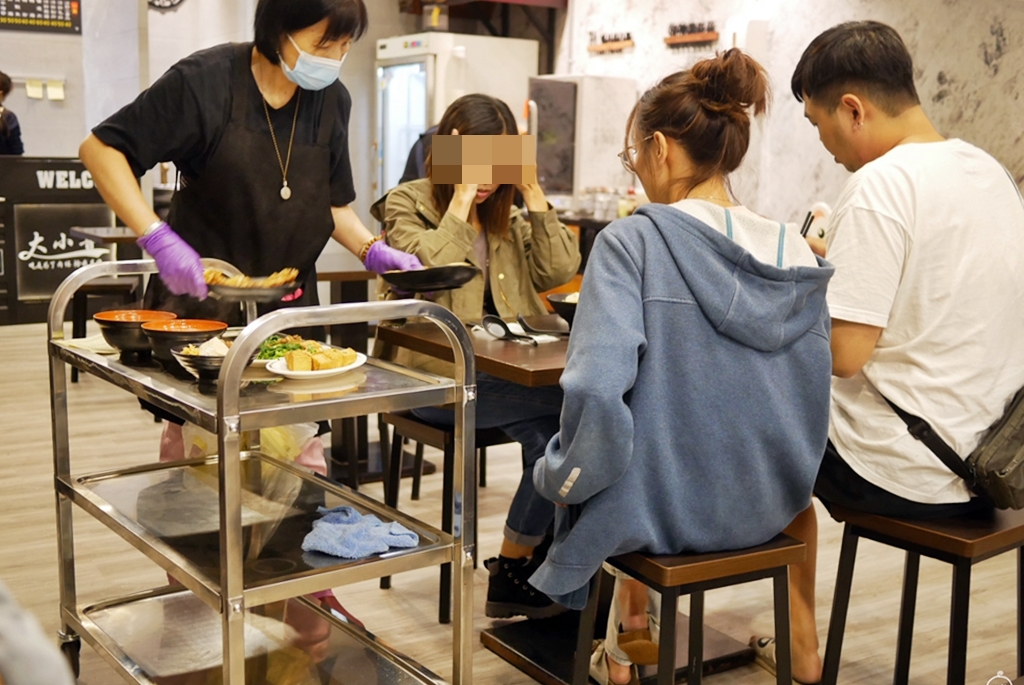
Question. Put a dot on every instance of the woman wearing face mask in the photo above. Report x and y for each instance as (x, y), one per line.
(259, 134)
(697, 378)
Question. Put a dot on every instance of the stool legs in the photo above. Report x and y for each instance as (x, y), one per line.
(695, 660)
(907, 608)
(585, 633)
(417, 471)
(840, 605)
(783, 637)
(667, 641)
(956, 670)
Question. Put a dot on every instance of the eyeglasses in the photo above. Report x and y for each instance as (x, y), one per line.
(628, 156)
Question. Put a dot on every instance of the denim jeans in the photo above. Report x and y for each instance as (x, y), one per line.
(530, 416)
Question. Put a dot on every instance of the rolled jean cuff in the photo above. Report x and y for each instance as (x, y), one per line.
(518, 538)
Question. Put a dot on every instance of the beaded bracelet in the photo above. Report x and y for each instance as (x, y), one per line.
(366, 247)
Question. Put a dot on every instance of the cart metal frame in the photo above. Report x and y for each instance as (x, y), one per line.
(237, 423)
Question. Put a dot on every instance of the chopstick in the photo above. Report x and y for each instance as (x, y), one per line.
(808, 220)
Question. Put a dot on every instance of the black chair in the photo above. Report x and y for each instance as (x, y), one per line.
(961, 542)
(693, 574)
(406, 425)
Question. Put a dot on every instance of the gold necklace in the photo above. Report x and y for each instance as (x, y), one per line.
(286, 192)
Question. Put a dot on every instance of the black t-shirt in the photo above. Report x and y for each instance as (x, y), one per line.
(182, 117)
(10, 133)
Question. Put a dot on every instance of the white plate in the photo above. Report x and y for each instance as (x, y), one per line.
(280, 367)
(262, 363)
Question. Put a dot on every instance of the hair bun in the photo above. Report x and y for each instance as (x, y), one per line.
(732, 83)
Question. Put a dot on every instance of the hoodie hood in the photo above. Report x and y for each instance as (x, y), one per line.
(758, 305)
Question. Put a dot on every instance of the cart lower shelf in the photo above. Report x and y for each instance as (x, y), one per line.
(169, 637)
(170, 512)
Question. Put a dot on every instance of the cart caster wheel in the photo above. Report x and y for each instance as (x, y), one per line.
(72, 652)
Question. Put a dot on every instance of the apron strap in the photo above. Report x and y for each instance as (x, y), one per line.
(241, 73)
(782, 245)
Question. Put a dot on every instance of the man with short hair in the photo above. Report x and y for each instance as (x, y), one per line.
(927, 301)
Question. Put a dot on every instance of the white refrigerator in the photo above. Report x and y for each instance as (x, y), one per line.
(419, 75)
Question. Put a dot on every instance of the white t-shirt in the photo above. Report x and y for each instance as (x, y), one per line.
(928, 243)
(755, 234)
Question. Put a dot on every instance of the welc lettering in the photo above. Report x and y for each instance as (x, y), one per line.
(51, 179)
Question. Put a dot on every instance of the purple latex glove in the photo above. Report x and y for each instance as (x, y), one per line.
(380, 258)
(178, 264)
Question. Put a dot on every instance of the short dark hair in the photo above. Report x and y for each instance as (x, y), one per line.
(867, 56)
(5, 84)
(275, 18)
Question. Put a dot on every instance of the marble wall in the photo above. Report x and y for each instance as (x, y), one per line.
(969, 67)
(114, 56)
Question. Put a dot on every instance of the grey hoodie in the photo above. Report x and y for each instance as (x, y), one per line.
(696, 399)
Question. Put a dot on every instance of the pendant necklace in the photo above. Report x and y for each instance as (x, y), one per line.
(286, 192)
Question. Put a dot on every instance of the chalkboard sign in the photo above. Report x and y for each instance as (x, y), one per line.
(51, 16)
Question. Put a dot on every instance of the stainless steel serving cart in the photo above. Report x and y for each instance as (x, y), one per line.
(229, 527)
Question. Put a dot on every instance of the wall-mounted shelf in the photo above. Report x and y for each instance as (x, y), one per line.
(614, 46)
(692, 38)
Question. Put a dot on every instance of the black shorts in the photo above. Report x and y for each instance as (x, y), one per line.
(838, 484)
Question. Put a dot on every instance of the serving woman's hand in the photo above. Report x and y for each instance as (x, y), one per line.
(382, 257)
(179, 265)
(534, 196)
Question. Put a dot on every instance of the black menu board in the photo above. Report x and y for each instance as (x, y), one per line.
(51, 16)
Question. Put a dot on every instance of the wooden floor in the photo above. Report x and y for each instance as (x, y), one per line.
(108, 430)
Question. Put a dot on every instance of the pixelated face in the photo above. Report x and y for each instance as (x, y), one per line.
(486, 161)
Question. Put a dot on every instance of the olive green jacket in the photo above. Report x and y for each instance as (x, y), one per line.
(538, 254)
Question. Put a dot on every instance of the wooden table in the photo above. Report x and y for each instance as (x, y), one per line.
(544, 649)
(115, 235)
(522, 364)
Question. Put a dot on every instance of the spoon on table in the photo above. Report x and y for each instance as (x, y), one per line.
(538, 331)
(497, 327)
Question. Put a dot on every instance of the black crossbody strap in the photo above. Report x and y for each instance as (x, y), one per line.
(922, 431)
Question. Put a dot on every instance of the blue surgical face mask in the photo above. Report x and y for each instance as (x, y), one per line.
(312, 72)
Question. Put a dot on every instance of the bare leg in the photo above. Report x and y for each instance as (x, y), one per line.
(806, 661)
(631, 596)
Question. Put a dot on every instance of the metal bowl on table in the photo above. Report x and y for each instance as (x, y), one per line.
(205, 367)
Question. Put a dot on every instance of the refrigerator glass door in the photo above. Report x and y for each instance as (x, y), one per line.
(402, 102)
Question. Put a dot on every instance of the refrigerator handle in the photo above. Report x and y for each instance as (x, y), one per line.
(531, 117)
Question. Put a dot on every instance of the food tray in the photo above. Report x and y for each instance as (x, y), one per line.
(232, 293)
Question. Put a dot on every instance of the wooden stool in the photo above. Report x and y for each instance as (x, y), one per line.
(408, 426)
(961, 542)
(693, 574)
(125, 287)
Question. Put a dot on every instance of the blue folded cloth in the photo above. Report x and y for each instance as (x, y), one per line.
(344, 532)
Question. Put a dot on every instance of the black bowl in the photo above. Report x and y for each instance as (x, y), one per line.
(122, 329)
(165, 335)
(564, 309)
(206, 368)
(433, 279)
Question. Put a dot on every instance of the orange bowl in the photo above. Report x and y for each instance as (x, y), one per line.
(122, 328)
(133, 316)
(163, 335)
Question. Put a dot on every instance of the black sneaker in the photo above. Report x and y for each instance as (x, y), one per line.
(509, 594)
